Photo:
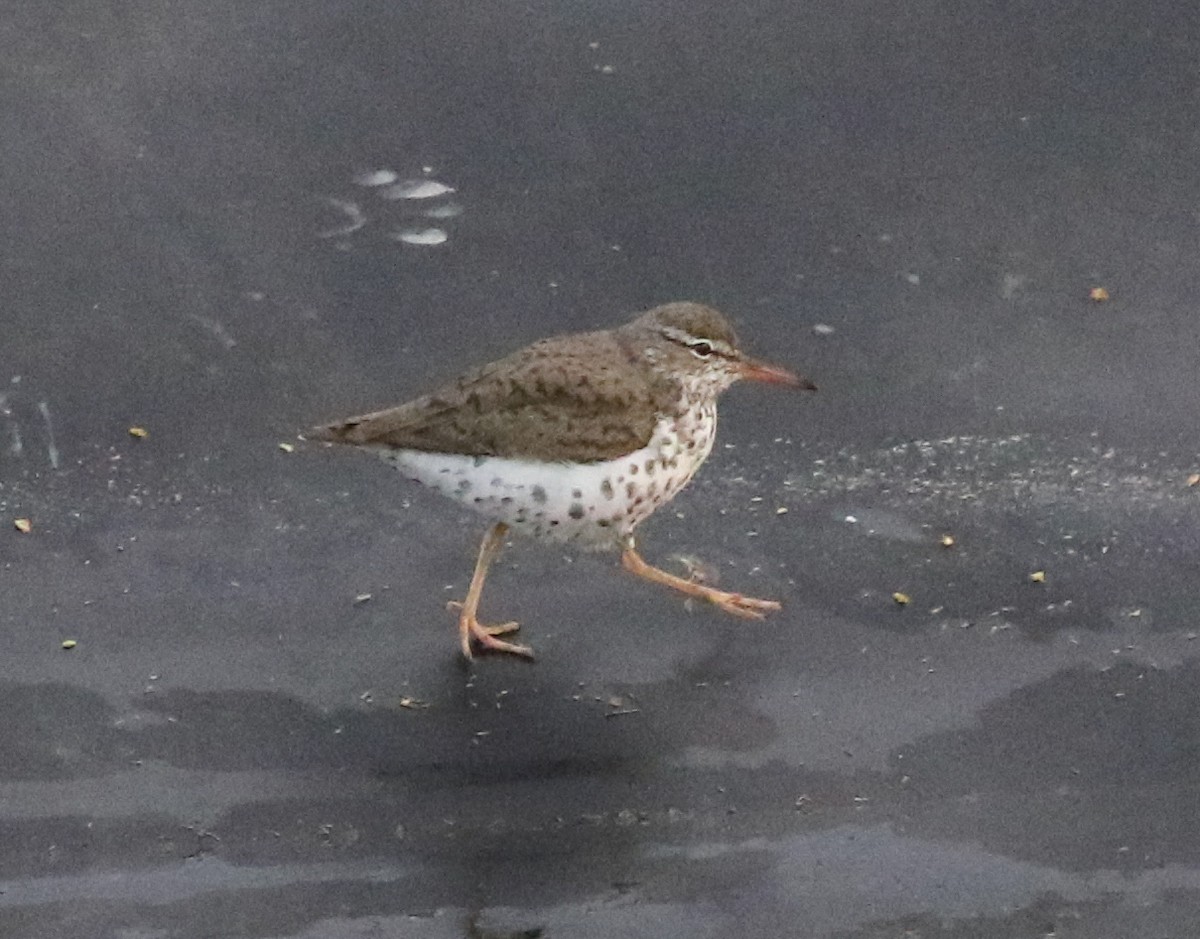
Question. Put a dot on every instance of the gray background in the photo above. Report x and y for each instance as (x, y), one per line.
(237, 748)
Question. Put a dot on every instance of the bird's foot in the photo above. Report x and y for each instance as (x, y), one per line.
(474, 633)
(738, 605)
(735, 603)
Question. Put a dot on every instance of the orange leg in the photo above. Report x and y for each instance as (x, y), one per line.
(469, 628)
(735, 603)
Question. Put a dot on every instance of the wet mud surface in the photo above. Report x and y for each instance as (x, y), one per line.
(227, 224)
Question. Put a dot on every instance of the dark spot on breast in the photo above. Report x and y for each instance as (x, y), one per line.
(478, 500)
(633, 469)
(606, 489)
(630, 490)
(507, 500)
(464, 485)
(576, 494)
(603, 522)
(553, 522)
(575, 511)
(480, 460)
(497, 481)
(539, 495)
(651, 466)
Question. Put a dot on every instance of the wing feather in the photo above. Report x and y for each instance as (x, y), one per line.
(583, 398)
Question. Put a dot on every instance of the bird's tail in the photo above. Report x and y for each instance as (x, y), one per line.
(339, 432)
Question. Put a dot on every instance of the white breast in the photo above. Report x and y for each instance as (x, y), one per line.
(591, 504)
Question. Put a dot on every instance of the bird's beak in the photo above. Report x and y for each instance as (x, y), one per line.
(772, 375)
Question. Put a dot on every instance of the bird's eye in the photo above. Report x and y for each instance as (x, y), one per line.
(702, 349)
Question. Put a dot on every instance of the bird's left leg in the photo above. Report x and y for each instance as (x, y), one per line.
(470, 630)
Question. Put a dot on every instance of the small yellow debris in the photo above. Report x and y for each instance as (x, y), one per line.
(1097, 294)
(69, 644)
(287, 447)
(412, 704)
(1194, 479)
(947, 541)
(1038, 577)
(139, 432)
(782, 510)
(362, 598)
(902, 599)
(23, 525)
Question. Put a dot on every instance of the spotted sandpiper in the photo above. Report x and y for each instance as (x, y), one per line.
(576, 439)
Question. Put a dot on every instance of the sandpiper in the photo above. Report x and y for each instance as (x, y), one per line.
(576, 439)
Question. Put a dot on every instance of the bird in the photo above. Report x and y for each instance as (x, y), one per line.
(574, 439)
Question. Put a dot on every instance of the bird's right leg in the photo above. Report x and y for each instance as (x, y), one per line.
(735, 603)
(469, 628)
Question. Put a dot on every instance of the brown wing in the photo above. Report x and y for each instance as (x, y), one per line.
(579, 398)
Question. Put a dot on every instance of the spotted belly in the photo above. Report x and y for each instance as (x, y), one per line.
(593, 505)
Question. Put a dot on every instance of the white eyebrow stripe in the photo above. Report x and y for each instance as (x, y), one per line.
(678, 335)
(686, 339)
